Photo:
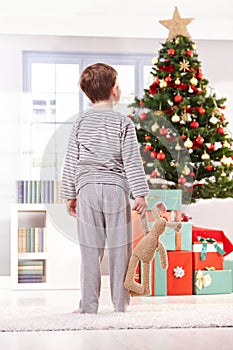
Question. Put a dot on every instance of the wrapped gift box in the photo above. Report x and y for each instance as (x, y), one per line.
(216, 234)
(228, 265)
(212, 259)
(158, 277)
(213, 282)
(179, 273)
(171, 198)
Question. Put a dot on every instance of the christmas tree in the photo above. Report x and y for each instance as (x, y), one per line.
(181, 125)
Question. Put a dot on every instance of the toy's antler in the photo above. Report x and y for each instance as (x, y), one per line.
(160, 206)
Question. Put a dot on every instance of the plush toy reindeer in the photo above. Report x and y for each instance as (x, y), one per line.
(145, 251)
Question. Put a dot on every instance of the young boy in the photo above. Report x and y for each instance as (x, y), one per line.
(101, 166)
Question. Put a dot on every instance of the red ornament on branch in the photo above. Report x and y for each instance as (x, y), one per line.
(161, 155)
(171, 52)
(221, 130)
(182, 180)
(189, 53)
(194, 124)
(163, 131)
(143, 116)
(209, 167)
(201, 110)
(153, 154)
(200, 139)
(178, 98)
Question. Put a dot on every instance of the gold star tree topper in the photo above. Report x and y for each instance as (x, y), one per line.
(177, 25)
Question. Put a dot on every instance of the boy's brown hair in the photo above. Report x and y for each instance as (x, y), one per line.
(97, 81)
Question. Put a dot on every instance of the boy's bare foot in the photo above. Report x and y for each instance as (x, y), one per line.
(76, 311)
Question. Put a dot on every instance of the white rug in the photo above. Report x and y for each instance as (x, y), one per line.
(147, 316)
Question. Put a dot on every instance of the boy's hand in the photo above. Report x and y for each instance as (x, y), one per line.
(71, 207)
(140, 205)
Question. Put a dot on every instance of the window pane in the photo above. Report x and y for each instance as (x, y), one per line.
(43, 107)
(67, 76)
(66, 106)
(43, 77)
(147, 77)
(126, 76)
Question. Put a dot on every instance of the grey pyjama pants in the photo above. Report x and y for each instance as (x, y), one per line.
(104, 221)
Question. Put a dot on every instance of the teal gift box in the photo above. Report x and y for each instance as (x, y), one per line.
(173, 241)
(158, 277)
(228, 265)
(212, 282)
(171, 198)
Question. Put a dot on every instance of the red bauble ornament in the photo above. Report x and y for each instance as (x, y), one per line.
(143, 116)
(141, 103)
(182, 180)
(147, 137)
(194, 124)
(212, 147)
(223, 107)
(161, 155)
(222, 117)
(221, 130)
(168, 79)
(171, 52)
(163, 131)
(154, 174)
(189, 53)
(200, 76)
(183, 136)
(148, 147)
(209, 167)
(192, 173)
(200, 139)
(153, 154)
(201, 110)
(178, 98)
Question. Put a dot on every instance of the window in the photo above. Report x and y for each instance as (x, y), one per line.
(51, 99)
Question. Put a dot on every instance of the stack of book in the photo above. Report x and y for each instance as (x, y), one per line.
(30, 271)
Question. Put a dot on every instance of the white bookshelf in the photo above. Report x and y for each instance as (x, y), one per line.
(61, 260)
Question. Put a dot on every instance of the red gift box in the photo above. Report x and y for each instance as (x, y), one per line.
(179, 273)
(212, 260)
(218, 235)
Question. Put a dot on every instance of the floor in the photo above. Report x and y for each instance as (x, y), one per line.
(194, 338)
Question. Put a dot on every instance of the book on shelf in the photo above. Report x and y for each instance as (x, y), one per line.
(38, 191)
(31, 271)
(31, 239)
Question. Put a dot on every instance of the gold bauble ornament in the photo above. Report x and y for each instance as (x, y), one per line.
(193, 81)
(217, 112)
(163, 83)
(214, 120)
(205, 156)
(177, 147)
(223, 173)
(177, 81)
(186, 170)
(225, 161)
(154, 127)
(154, 60)
(188, 143)
(226, 144)
(175, 118)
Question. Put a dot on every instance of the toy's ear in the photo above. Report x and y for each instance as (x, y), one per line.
(160, 206)
(144, 223)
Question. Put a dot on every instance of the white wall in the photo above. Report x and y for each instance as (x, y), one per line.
(216, 57)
